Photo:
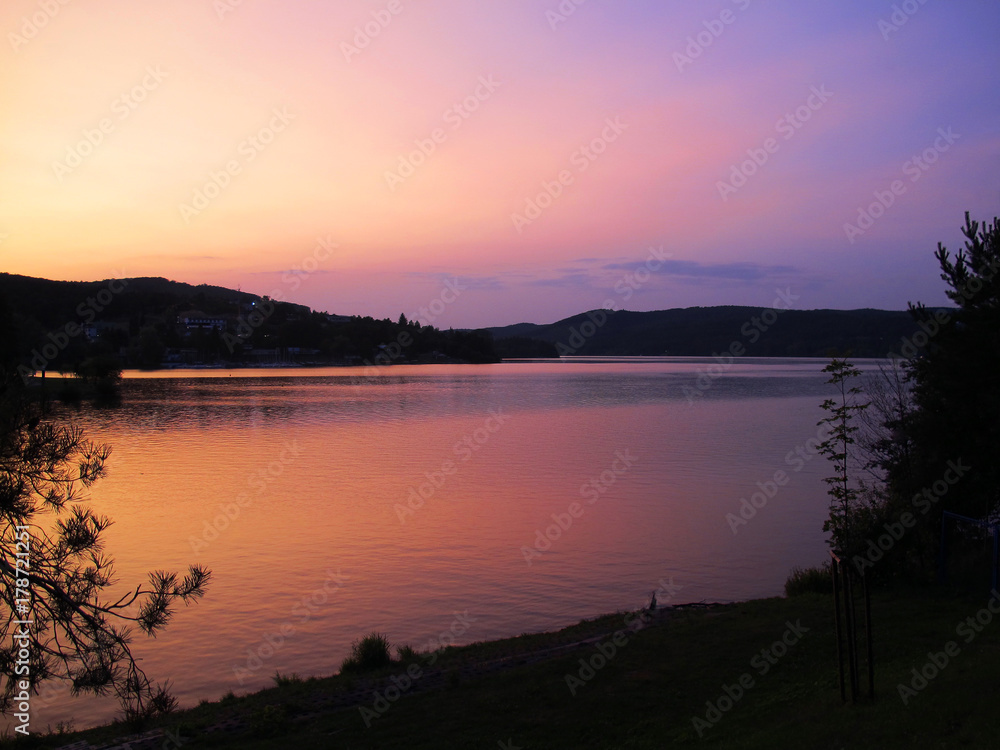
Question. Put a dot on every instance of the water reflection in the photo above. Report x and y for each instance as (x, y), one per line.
(277, 480)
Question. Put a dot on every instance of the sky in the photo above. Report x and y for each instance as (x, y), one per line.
(476, 163)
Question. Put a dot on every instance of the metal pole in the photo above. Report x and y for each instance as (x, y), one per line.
(942, 574)
(868, 636)
(852, 657)
(836, 607)
(996, 550)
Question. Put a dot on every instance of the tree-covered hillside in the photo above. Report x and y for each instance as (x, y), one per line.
(153, 322)
(706, 331)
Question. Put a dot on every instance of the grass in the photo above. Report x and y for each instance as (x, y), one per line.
(286, 679)
(809, 580)
(647, 693)
(368, 654)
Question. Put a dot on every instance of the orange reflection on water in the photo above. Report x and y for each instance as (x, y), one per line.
(298, 491)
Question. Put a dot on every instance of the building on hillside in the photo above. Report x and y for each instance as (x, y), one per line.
(197, 320)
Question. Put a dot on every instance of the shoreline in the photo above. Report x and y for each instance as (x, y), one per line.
(599, 684)
(580, 359)
(472, 660)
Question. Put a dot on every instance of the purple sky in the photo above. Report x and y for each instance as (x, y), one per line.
(532, 159)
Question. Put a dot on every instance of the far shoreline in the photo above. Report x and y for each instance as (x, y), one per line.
(139, 373)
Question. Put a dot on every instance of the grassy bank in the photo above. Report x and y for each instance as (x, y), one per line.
(515, 693)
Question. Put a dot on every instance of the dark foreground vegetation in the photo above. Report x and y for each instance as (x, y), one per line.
(915, 492)
(683, 666)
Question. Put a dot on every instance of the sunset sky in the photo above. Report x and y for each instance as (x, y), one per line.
(357, 155)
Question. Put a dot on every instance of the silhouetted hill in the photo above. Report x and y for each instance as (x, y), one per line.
(705, 331)
(53, 303)
(151, 322)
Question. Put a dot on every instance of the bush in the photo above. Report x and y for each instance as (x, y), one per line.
(269, 720)
(809, 581)
(368, 654)
(69, 391)
(406, 653)
(103, 373)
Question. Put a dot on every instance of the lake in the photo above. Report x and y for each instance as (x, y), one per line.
(488, 500)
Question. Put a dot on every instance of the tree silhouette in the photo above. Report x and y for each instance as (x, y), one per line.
(54, 571)
(937, 436)
(837, 447)
(957, 400)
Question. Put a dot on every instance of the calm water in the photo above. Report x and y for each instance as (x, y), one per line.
(315, 467)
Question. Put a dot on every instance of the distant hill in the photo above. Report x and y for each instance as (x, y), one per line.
(154, 322)
(705, 331)
(53, 303)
